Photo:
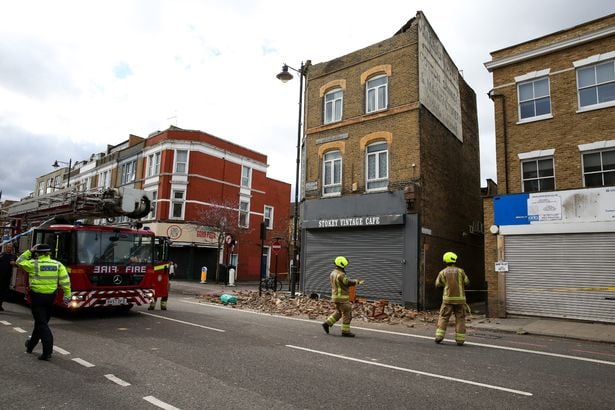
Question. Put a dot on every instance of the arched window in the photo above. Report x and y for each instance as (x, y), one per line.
(334, 101)
(332, 173)
(377, 166)
(376, 93)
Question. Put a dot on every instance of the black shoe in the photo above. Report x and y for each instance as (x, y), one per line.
(150, 308)
(347, 334)
(27, 344)
(459, 343)
(45, 357)
(439, 339)
(326, 327)
(163, 308)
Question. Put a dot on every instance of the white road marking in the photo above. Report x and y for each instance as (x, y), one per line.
(117, 380)
(20, 330)
(403, 369)
(183, 322)
(83, 362)
(60, 350)
(4, 322)
(159, 403)
(490, 346)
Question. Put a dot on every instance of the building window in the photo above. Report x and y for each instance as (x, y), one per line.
(332, 173)
(58, 182)
(268, 217)
(534, 98)
(596, 84)
(246, 176)
(538, 175)
(377, 166)
(103, 179)
(333, 105)
(128, 172)
(177, 204)
(181, 161)
(244, 214)
(376, 93)
(153, 164)
(152, 212)
(599, 168)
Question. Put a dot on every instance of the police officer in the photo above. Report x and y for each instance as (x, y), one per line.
(453, 279)
(45, 275)
(339, 295)
(7, 261)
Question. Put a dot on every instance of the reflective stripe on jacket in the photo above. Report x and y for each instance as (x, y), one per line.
(339, 285)
(44, 273)
(453, 279)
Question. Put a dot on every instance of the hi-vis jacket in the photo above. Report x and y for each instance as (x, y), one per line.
(45, 274)
(339, 285)
(453, 279)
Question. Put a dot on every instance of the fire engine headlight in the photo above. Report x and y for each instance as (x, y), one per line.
(149, 294)
(77, 297)
(74, 304)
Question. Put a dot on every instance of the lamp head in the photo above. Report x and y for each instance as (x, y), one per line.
(284, 75)
(55, 164)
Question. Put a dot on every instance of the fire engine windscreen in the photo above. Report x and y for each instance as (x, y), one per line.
(114, 247)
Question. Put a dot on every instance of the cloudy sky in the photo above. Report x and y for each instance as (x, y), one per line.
(78, 75)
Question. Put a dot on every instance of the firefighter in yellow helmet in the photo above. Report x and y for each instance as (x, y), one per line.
(45, 275)
(453, 279)
(340, 297)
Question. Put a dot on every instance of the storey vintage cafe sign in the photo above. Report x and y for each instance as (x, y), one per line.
(354, 221)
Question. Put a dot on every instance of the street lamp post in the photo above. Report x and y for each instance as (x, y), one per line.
(57, 163)
(285, 76)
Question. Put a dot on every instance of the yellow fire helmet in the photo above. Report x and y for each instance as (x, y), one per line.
(341, 262)
(449, 257)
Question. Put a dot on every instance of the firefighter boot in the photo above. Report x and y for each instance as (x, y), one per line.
(152, 305)
(163, 305)
(439, 335)
(326, 327)
(347, 334)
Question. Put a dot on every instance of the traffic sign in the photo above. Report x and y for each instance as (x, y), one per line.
(276, 246)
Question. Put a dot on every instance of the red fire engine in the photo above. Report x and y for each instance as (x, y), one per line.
(109, 266)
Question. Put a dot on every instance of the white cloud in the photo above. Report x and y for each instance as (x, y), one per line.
(80, 75)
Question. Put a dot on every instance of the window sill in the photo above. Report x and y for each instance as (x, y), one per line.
(334, 194)
(596, 107)
(534, 119)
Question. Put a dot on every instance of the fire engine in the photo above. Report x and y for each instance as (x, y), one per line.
(109, 265)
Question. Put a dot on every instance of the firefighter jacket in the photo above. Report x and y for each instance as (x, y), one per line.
(339, 285)
(45, 274)
(453, 279)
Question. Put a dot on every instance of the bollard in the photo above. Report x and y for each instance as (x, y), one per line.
(204, 274)
(231, 277)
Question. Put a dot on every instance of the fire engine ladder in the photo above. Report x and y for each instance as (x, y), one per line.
(71, 205)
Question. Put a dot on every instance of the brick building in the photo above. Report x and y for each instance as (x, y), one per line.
(552, 221)
(195, 180)
(390, 169)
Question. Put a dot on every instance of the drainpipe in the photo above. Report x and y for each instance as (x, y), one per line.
(492, 96)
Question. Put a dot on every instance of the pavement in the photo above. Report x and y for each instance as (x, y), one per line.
(570, 329)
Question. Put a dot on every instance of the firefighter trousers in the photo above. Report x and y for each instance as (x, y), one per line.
(459, 310)
(342, 310)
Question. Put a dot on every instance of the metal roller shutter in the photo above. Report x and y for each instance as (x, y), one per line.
(375, 255)
(561, 276)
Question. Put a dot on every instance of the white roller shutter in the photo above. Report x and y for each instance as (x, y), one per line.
(561, 275)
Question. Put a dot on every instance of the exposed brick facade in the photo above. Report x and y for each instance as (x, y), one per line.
(439, 174)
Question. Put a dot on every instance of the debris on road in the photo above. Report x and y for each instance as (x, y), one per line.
(380, 311)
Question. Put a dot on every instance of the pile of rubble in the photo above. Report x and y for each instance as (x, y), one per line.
(318, 309)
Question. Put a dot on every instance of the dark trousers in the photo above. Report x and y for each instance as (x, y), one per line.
(41, 312)
(5, 280)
